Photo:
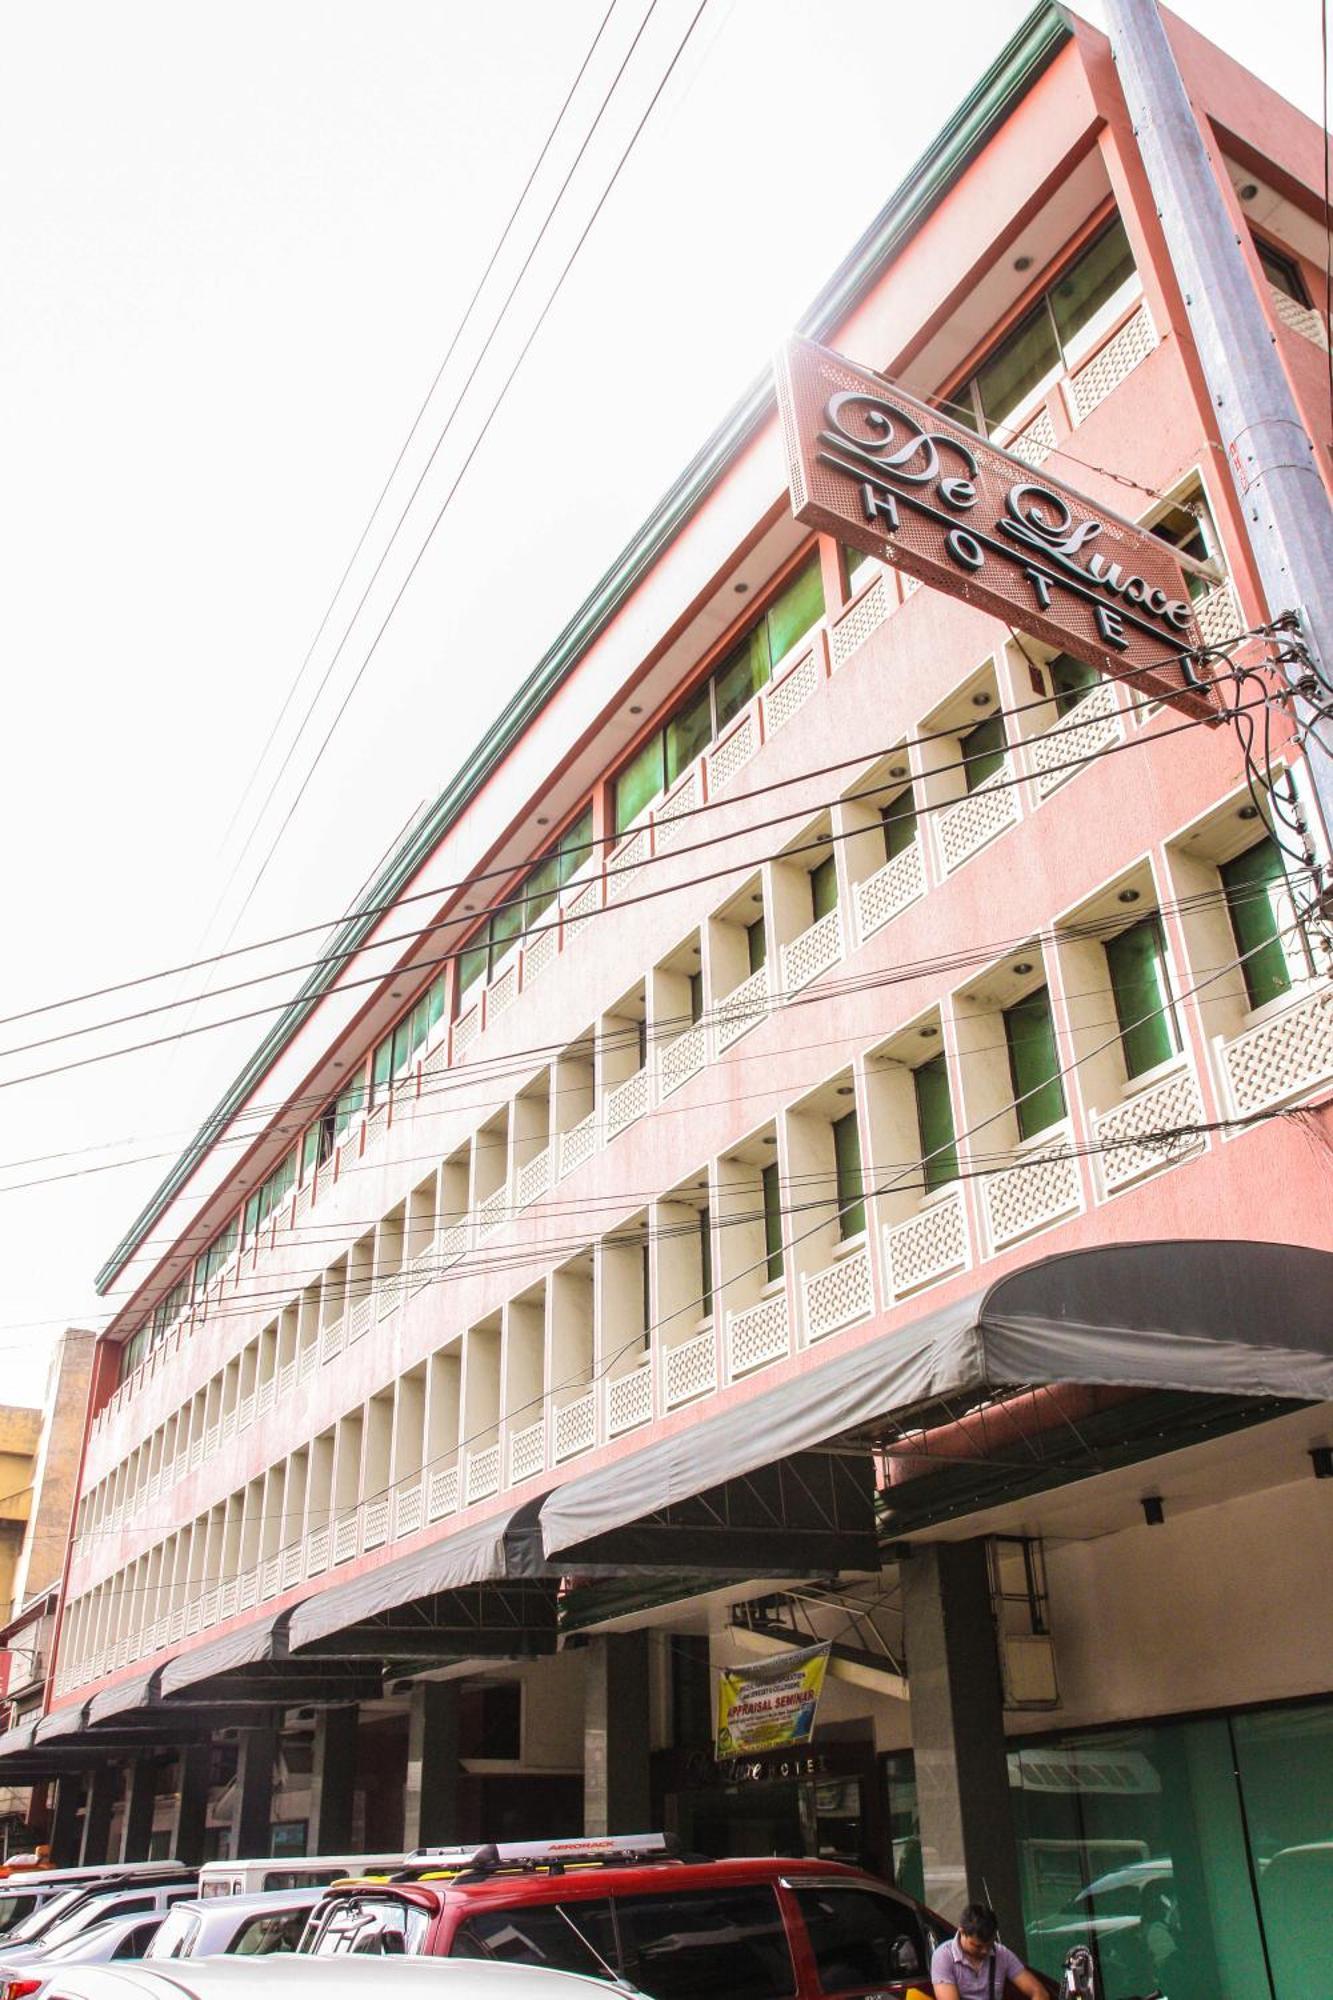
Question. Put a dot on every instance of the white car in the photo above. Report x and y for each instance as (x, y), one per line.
(250, 1926)
(26, 1895)
(113, 1939)
(287, 1977)
(60, 1923)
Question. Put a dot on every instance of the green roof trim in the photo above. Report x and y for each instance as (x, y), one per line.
(1029, 52)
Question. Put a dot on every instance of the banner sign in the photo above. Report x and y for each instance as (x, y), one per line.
(771, 1705)
(887, 474)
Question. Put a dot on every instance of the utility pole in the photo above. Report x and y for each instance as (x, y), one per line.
(1285, 503)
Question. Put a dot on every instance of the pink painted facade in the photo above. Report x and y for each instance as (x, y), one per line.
(449, 1316)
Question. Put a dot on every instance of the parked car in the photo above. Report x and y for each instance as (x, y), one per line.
(633, 1911)
(250, 1926)
(293, 1978)
(63, 1923)
(309, 1871)
(113, 1939)
(24, 1895)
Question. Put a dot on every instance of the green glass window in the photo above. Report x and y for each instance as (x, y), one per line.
(983, 750)
(639, 783)
(696, 998)
(1034, 1063)
(348, 1104)
(1136, 961)
(381, 1068)
(575, 845)
(756, 944)
(774, 1260)
(250, 1218)
(540, 889)
(797, 606)
(689, 731)
(1022, 360)
(934, 1123)
(824, 886)
(506, 925)
(706, 1260)
(472, 965)
(1071, 679)
(742, 674)
(1251, 884)
(853, 560)
(847, 1168)
(1090, 281)
(310, 1150)
(899, 819)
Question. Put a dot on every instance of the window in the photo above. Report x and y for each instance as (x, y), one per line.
(577, 1937)
(899, 821)
(266, 1198)
(934, 1124)
(824, 886)
(774, 1260)
(860, 1939)
(1282, 271)
(395, 1051)
(733, 1941)
(708, 708)
(706, 1262)
(527, 902)
(756, 944)
(853, 560)
(1034, 1064)
(1136, 961)
(1259, 909)
(1052, 336)
(696, 998)
(1071, 679)
(983, 751)
(262, 1935)
(136, 1942)
(218, 1254)
(847, 1169)
(176, 1934)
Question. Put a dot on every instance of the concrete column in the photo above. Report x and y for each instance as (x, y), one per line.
(192, 1804)
(137, 1832)
(962, 1778)
(65, 1821)
(103, 1791)
(252, 1825)
(431, 1793)
(333, 1781)
(616, 1734)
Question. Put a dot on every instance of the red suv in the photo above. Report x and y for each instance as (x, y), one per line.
(633, 1911)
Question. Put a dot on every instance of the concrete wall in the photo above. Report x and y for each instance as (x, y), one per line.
(56, 1468)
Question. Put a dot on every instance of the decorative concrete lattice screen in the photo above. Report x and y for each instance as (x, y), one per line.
(928, 1245)
(734, 752)
(1090, 727)
(969, 824)
(839, 1295)
(690, 1369)
(576, 1426)
(864, 617)
(757, 1335)
(890, 889)
(1282, 1057)
(1127, 1133)
(1034, 440)
(629, 1400)
(1024, 1197)
(1093, 383)
(683, 1058)
(813, 952)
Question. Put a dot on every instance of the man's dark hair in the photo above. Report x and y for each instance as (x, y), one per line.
(980, 1921)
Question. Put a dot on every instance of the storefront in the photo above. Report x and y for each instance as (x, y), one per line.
(824, 1801)
(1195, 1855)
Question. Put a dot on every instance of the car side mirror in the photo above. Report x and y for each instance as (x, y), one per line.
(904, 1958)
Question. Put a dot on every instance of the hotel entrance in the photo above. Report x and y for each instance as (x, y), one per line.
(818, 1802)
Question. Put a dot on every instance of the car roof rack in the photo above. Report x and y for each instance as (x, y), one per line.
(493, 1857)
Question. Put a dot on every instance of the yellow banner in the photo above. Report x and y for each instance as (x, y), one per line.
(770, 1705)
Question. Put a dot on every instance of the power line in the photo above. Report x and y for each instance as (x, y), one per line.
(438, 960)
(480, 437)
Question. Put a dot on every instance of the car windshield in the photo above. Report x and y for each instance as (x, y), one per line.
(87, 1942)
(13, 1909)
(38, 1923)
(87, 1913)
(279, 1930)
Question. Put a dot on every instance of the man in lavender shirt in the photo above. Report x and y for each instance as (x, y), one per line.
(974, 1965)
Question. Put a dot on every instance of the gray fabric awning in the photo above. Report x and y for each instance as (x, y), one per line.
(139, 1691)
(1223, 1318)
(61, 1722)
(18, 1738)
(487, 1552)
(265, 1639)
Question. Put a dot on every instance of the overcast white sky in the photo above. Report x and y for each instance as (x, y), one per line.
(236, 244)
